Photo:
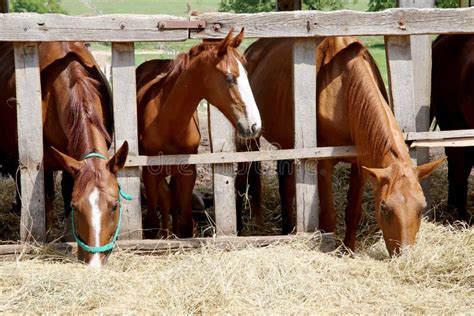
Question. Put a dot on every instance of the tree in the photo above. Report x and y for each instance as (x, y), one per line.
(252, 6)
(39, 6)
(378, 5)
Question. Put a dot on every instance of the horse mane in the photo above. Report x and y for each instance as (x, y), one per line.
(80, 112)
(369, 112)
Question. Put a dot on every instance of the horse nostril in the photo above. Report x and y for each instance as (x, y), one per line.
(254, 128)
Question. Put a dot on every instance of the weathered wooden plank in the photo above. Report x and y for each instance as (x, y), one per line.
(125, 123)
(437, 135)
(304, 91)
(400, 69)
(222, 137)
(340, 23)
(421, 56)
(169, 245)
(57, 27)
(231, 157)
(30, 141)
(459, 142)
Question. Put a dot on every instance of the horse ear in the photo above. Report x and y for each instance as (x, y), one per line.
(378, 175)
(117, 162)
(236, 41)
(425, 170)
(70, 164)
(222, 46)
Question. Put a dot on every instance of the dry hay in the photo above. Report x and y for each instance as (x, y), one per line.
(435, 276)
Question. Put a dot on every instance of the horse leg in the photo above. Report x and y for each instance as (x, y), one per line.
(184, 184)
(457, 176)
(49, 199)
(151, 222)
(327, 215)
(353, 211)
(286, 177)
(164, 206)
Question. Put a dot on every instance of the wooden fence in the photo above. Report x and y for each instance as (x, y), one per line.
(26, 30)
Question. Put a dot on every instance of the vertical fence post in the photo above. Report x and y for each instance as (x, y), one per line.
(421, 56)
(125, 126)
(222, 135)
(402, 88)
(30, 141)
(304, 89)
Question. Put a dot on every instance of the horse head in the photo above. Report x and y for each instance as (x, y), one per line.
(399, 201)
(226, 84)
(96, 202)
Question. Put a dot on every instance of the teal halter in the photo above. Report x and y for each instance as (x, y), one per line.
(110, 245)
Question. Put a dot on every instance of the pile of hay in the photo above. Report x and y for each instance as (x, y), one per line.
(435, 276)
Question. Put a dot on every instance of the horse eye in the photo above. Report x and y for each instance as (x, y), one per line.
(230, 79)
(115, 206)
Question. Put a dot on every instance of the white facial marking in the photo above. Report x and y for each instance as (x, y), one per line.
(96, 225)
(253, 116)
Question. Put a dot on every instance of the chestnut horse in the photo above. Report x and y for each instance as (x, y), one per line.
(352, 110)
(77, 120)
(452, 102)
(167, 102)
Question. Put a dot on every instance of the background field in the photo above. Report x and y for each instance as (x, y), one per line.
(145, 51)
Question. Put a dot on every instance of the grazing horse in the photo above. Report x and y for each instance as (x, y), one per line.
(352, 110)
(77, 121)
(452, 102)
(168, 125)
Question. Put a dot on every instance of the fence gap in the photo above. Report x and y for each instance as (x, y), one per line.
(125, 126)
(30, 141)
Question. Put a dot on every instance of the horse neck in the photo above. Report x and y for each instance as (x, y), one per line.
(181, 97)
(82, 115)
(374, 129)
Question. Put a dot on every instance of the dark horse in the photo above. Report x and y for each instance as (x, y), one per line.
(77, 120)
(452, 102)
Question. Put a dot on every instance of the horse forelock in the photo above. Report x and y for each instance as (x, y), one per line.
(81, 111)
(91, 173)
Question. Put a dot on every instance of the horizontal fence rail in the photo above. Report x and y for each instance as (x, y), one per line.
(132, 27)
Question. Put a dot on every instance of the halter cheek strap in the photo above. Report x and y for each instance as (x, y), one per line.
(110, 245)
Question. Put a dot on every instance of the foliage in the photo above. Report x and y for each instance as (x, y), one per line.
(39, 6)
(252, 6)
(378, 5)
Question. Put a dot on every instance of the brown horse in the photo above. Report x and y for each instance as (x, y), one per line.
(452, 102)
(77, 120)
(167, 125)
(352, 110)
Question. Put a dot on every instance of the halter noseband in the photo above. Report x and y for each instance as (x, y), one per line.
(110, 245)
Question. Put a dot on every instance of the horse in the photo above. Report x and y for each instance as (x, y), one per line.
(77, 124)
(352, 110)
(452, 103)
(167, 123)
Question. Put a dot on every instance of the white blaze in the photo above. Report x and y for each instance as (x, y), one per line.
(243, 84)
(96, 225)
